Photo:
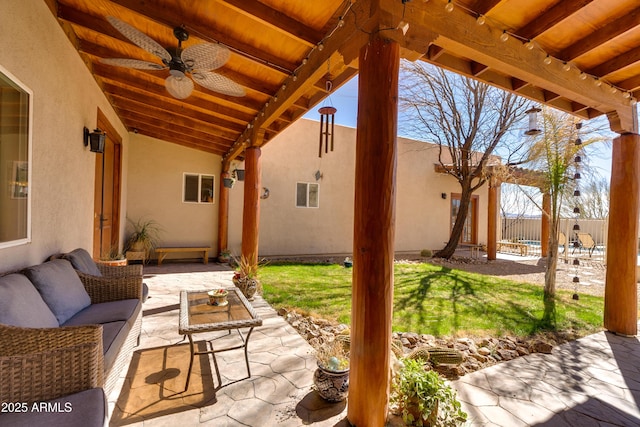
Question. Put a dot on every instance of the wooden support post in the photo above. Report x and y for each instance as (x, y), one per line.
(251, 207)
(374, 230)
(492, 218)
(545, 224)
(223, 212)
(620, 295)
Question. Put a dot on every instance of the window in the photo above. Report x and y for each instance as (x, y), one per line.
(307, 195)
(198, 188)
(15, 160)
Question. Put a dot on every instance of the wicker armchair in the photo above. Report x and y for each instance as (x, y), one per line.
(115, 287)
(39, 364)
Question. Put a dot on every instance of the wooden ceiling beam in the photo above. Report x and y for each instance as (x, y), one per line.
(601, 36)
(173, 107)
(483, 6)
(276, 20)
(148, 122)
(183, 120)
(458, 32)
(174, 139)
(168, 17)
(556, 14)
(627, 59)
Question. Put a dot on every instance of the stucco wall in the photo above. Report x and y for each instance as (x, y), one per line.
(35, 50)
(156, 171)
(422, 216)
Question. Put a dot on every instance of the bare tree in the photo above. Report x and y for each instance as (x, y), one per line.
(594, 199)
(467, 119)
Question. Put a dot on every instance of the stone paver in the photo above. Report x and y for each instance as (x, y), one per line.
(594, 381)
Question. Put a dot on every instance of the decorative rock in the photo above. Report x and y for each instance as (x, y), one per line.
(540, 346)
(282, 311)
(484, 351)
(508, 354)
(522, 351)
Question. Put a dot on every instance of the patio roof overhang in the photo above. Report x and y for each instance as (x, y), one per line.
(284, 52)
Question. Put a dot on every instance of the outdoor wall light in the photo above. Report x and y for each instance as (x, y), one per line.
(95, 140)
(444, 196)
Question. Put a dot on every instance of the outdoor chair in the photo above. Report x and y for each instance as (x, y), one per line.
(562, 241)
(585, 241)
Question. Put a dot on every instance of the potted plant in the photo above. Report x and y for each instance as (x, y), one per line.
(246, 277)
(224, 255)
(113, 257)
(144, 236)
(423, 398)
(331, 379)
(348, 263)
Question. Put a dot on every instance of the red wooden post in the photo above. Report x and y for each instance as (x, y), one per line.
(620, 295)
(251, 207)
(492, 214)
(223, 212)
(374, 230)
(545, 224)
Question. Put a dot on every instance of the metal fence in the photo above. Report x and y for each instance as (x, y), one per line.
(590, 242)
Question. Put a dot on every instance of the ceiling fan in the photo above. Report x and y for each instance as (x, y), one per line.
(195, 61)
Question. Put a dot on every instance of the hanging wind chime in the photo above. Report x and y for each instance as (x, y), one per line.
(327, 114)
(576, 211)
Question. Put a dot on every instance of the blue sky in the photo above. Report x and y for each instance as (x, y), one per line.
(345, 100)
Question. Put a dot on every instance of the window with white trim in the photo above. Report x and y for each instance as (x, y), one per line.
(198, 188)
(307, 195)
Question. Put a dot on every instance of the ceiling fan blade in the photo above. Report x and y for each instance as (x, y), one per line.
(218, 83)
(205, 56)
(132, 63)
(139, 38)
(179, 87)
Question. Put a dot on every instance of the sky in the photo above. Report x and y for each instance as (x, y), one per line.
(345, 100)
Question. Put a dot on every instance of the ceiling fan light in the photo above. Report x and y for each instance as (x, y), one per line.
(179, 87)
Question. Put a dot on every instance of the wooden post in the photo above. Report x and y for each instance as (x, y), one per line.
(545, 224)
(223, 211)
(374, 230)
(620, 295)
(492, 218)
(251, 207)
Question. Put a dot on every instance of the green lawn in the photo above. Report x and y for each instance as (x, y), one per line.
(432, 299)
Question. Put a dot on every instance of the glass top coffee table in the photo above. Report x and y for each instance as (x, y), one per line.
(198, 316)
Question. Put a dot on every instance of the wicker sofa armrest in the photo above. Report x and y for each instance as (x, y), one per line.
(39, 364)
(120, 271)
(105, 289)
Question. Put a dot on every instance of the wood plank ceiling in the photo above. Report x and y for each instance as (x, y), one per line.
(283, 53)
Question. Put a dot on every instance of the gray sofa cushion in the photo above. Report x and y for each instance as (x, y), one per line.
(21, 304)
(105, 312)
(88, 408)
(82, 261)
(114, 334)
(60, 288)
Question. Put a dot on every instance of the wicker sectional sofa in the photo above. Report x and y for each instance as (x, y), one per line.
(65, 336)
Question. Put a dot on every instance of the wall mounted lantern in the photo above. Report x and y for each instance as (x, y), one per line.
(95, 140)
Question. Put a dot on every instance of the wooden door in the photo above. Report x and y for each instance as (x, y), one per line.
(106, 216)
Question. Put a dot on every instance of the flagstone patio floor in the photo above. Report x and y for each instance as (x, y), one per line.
(594, 381)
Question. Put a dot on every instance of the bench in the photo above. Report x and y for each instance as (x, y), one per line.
(163, 252)
(524, 249)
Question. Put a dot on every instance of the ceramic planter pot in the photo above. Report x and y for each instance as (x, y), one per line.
(333, 386)
(248, 286)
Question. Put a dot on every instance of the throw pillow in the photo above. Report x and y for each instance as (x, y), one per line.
(21, 304)
(82, 261)
(60, 287)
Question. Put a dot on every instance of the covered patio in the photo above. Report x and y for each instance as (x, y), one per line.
(579, 56)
